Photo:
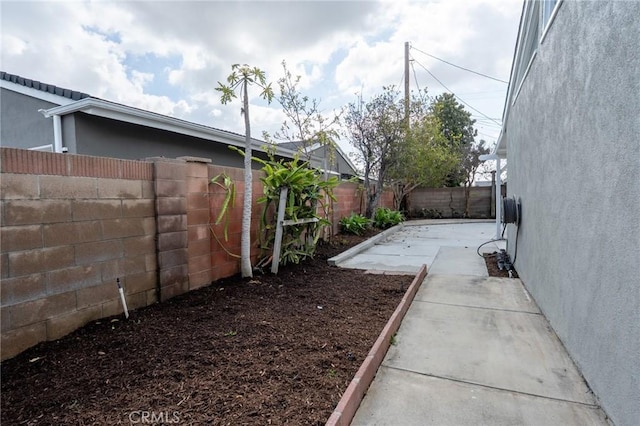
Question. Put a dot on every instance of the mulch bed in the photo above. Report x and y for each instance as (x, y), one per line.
(272, 350)
(494, 271)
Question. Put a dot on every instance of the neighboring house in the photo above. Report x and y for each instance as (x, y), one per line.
(41, 116)
(571, 135)
(337, 160)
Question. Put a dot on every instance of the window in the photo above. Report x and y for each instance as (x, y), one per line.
(528, 43)
(547, 13)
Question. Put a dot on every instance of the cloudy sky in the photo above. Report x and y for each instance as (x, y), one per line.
(167, 56)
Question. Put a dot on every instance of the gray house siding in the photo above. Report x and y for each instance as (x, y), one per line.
(111, 138)
(574, 160)
(28, 128)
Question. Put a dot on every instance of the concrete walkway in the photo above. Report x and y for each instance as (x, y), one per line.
(471, 350)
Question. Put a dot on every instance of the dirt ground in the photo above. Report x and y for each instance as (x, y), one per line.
(492, 266)
(272, 350)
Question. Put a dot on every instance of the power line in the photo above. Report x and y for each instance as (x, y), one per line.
(458, 66)
(458, 97)
(415, 76)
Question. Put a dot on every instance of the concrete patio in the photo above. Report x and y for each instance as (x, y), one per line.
(472, 349)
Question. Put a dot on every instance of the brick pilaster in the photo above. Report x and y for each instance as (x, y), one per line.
(171, 211)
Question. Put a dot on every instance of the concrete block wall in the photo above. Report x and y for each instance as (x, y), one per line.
(350, 199)
(71, 225)
(450, 201)
(224, 262)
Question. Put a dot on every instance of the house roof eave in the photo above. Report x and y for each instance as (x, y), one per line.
(115, 111)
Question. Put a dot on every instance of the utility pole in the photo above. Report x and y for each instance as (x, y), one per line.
(406, 83)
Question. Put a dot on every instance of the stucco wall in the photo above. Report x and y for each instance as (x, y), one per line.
(28, 128)
(574, 159)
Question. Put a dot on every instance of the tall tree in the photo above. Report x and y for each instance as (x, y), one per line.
(241, 77)
(376, 130)
(425, 159)
(305, 122)
(456, 125)
(470, 166)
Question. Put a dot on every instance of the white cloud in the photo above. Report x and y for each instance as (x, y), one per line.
(337, 47)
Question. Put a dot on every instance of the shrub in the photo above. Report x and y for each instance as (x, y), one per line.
(354, 224)
(384, 218)
(307, 190)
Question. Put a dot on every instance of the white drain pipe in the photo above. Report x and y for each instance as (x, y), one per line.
(498, 190)
(124, 301)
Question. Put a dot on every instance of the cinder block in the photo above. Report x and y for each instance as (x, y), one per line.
(148, 189)
(138, 208)
(102, 167)
(198, 217)
(149, 225)
(112, 307)
(198, 169)
(151, 262)
(136, 170)
(199, 264)
(198, 233)
(22, 289)
(4, 266)
(174, 290)
(40, 260)
(111, 269)
(96, 209)
(170, 169)
(15, 341)
(96, 295)
(99, 251)
(199, 248)
(16, 238)
(136, 246)
(197, 185)
(59, 234)
(68, 187)
(174, 276)
(172, 223)
(169, 259)
(134, 265)
(172, 241)
(32, 212)
(62, 325)
(19, 186)
(5, 320)
(122, 228)
(198, 201)
(170, 188)
(199, 279)
(171, 205)
(42, 309)
(140, 283)
(25, 262)
(137, 301)
(70, 279)
(119, 188)
(152, 297)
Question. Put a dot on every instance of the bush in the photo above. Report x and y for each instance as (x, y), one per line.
(384, 218)
(430, 214)
(354, 224)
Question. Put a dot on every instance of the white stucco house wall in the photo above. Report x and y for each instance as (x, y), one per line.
(571, 137)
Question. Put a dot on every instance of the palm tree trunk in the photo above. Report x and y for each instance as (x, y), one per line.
(245, 245)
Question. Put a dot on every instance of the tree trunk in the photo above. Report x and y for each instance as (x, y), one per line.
(375, 196)
(245, 245)
(467, 193)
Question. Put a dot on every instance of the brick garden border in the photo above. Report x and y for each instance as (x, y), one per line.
(352, 397)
